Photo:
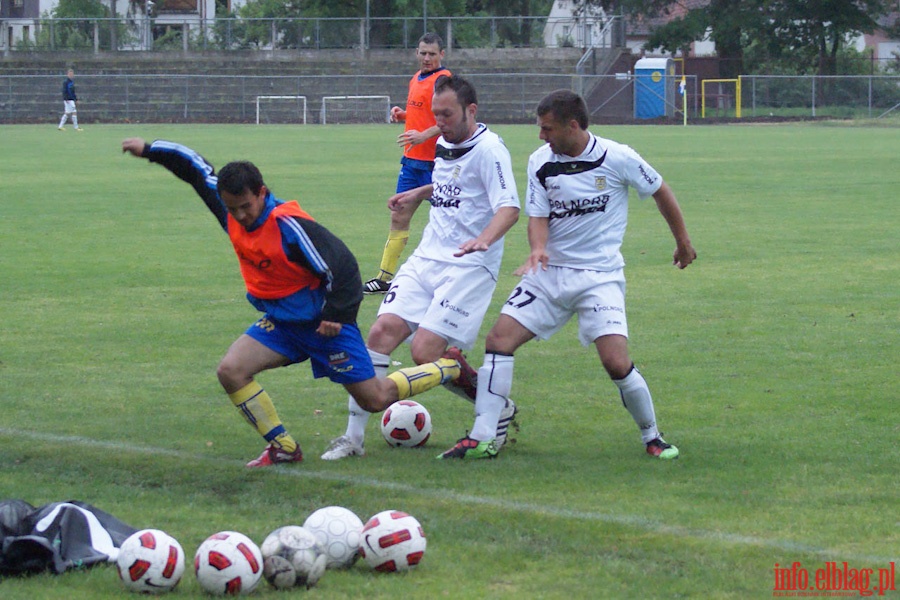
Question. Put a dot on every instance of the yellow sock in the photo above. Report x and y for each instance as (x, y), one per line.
(258, 410)
(418, 379)
(393, 248)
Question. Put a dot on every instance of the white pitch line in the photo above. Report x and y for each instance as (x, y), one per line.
(636, 521)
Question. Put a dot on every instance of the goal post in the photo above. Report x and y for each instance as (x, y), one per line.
(281, 109)
(355, 109)
(722, 95)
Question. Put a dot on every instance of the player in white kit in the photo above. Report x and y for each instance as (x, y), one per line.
(442, 292)
(577, 208)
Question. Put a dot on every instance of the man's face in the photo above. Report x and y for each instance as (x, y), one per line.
(430, 56)
(245, 207)
(456, 124)
(71, 74)
(562, 136)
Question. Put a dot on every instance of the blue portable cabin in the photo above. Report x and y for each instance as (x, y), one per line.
(654, 88)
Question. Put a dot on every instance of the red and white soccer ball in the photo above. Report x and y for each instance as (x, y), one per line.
(392, 541)
(338, 531)
(406, 423)
(229, 563)
(150, 561)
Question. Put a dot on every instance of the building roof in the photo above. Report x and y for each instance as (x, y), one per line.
(642, 27)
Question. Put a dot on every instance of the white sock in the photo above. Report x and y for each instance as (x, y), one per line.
(75, 120)
(636, 398)
(494, 386)
(359, 418)
(62, 121)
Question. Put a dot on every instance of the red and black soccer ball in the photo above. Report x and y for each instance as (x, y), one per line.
(406, 424)
(392, 541)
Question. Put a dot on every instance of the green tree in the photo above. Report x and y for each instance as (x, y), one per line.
(817, 30)
(77, 33)
(391, 19)
(807, 35)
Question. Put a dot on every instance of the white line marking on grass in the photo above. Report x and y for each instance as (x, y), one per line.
(550, 510)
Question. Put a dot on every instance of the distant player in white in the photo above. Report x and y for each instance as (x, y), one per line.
(443, 291)
(577, 207)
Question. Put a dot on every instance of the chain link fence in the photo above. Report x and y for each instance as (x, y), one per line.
(509, 98)
(502, 97)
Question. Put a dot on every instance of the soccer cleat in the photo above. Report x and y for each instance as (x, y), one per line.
(342, 447)
(468, 448)
(660, 449)
(376, 286)
(467, 382)
(273, 455)
(79, 129)
(507, 420)
(61, 128)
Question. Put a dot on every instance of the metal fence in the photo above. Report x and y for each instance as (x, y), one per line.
(847, 97)
(185, 32)
(232, 98)
(503, 97)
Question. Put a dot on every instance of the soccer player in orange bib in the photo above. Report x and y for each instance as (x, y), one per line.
(306, 283)
(418, 139)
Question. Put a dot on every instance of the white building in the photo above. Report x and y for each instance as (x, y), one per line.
(20, 20)
(566, 29)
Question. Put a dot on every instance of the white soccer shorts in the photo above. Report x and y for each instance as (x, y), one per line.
(544, 301)
(69, 107)
(443, 298)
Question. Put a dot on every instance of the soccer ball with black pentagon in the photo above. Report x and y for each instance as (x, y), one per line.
(338, 531)
(229, 563)
(292, 556)
(406, 423)
(150, 561)
(392, 541)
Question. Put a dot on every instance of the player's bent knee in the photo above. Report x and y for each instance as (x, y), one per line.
(496, 343)
(373, 395)
(618, 369)
(230, 375)
(400, 220)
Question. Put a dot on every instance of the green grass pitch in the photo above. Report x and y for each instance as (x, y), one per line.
(773, 362)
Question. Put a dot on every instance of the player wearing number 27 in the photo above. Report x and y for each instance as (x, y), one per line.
(305, 281)
(577, 208)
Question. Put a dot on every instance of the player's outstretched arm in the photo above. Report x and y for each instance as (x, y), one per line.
(668, 206)
(187, 165)
(134, 146)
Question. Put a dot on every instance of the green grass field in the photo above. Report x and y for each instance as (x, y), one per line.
(773, 361)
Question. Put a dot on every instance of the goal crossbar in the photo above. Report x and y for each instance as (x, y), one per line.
(299, 98)
(333, 99)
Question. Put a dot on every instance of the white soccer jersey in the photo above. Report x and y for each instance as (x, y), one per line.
(471, 181)
(586, 200)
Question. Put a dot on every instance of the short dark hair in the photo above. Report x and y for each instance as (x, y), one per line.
(565, 106)
(465, 91)
(240, 175)
(430, 37)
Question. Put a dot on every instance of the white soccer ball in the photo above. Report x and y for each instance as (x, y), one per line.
(292, 556)
(150, 561)
(392, 541)
(406, 423)
(228, 562)
(338, 531)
